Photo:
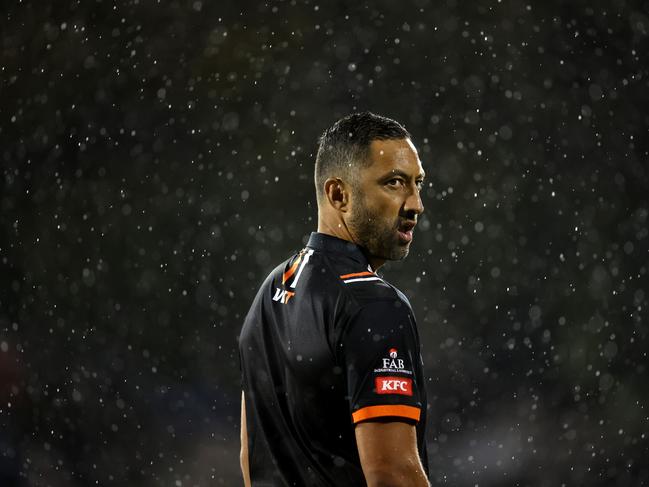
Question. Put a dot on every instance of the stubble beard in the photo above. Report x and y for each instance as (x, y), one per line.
(378, 236)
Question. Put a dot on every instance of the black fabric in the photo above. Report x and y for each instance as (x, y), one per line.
(379, 344)
(313, 348)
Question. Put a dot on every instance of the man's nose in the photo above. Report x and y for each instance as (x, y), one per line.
(413, 203)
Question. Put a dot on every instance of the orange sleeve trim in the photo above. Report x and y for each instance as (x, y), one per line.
(357, 274)
(370, 412)
(287, 275)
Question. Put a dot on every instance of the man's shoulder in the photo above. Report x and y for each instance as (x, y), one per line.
(277, 271)
(335, 275)
(367, 286)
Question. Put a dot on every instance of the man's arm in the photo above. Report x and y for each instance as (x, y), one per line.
(243, 458)
(388, 453)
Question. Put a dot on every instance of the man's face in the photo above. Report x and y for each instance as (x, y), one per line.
(385, 200)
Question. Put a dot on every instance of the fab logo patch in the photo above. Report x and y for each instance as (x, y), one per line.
(392, 364)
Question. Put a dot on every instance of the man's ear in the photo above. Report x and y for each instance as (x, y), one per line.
(337, 193)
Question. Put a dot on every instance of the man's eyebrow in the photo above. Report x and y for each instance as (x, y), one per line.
(403, 174)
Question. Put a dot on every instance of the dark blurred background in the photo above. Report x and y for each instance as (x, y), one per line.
(157, 162)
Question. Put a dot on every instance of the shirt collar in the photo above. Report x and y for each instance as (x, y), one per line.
(329, 243)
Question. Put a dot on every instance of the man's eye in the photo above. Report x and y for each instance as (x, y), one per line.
(394, 182)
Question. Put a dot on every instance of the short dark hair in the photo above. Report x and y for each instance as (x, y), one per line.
(344, 147)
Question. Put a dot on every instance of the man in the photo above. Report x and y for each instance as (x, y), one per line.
(333, 390)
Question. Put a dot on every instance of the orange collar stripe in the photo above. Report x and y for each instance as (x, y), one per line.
(287, 275)
(357, 274)
(399, 410)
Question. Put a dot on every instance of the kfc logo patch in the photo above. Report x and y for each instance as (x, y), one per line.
(393, 385)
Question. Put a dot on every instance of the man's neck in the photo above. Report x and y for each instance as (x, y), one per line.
(338, 229)
(341, 231)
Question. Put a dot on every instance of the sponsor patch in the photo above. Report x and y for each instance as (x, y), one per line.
(392, 364)
(282, 295)
(393, 385)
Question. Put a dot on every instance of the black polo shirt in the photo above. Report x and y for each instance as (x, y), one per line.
(326, 344)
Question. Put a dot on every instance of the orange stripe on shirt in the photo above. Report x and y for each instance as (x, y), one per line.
(287, 275)
(399, 410)
(357, 274)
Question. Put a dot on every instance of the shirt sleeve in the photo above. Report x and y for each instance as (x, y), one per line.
(381, 356)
